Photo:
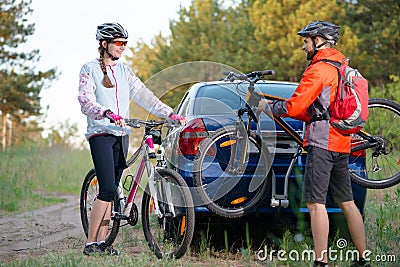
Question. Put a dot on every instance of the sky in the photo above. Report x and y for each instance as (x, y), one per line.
(65, 35)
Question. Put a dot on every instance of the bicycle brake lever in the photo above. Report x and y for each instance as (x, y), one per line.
(133, 123)
(109, 117)
(173, 124)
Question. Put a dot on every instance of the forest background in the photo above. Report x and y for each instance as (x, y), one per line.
(247, 35)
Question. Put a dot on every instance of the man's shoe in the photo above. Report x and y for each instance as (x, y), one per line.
(320, 264)
(92, 249)
(108, 249)
(360, 263)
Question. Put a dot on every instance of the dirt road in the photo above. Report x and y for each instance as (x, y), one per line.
(46, 229)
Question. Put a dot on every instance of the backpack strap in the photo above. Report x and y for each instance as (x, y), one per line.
(331, 62)
(326, 115)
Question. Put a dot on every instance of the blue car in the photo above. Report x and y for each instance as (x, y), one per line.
(209, 106)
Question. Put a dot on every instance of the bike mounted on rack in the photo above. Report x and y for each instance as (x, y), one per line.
(277, 200)
(377, 143)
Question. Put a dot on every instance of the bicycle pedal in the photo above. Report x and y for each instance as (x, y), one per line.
(168, 215)
(118, 217)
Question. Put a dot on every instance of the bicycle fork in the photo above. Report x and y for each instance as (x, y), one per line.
(160, 192)
(237, 161)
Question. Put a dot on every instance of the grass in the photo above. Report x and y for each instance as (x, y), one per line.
(383, 222)
(26, 171)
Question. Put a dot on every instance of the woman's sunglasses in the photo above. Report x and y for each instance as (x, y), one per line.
(119, 43)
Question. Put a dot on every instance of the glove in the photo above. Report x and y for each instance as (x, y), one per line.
(117, 119)
(263, 106)
(176, 117)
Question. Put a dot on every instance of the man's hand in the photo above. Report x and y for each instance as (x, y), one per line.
(262, 105)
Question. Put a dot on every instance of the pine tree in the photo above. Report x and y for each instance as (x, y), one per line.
(20, 83)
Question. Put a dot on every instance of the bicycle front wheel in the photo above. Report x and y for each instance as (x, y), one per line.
(382, 162)
(89, 192)
(226, 187)
(169, 230)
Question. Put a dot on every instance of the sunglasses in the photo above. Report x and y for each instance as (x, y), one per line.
(119, 43)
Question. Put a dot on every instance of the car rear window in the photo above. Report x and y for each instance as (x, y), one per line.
(224, 98)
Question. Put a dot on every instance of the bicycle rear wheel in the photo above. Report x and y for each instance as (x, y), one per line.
(382, 162)
(223, 188)
(170, 232)
(89, 192)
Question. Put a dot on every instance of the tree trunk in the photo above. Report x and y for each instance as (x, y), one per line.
(10, 131)
(4, 132)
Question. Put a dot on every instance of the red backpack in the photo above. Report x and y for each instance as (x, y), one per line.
(349, 111)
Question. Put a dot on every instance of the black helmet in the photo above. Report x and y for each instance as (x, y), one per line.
(108, 31)
(326, 30)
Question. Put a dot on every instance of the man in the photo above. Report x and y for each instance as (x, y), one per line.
(328, 151)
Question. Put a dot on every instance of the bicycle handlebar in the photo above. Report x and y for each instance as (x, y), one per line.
(257, 75)
(253, 99)
(137, 123)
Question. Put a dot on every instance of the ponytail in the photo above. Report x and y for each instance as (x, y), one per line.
(106, 80)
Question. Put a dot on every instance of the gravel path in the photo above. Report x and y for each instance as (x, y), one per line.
(45, 229)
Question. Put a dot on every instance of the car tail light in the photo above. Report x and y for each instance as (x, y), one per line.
(191, 137)
(355, 141)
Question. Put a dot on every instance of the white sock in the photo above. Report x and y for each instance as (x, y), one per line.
(90, 243)
(99, 242)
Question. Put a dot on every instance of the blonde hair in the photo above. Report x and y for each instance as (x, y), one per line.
(106, 80)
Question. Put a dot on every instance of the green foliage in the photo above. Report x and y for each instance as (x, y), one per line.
(20, 84)
(390, 91)
(208, 30)
(377, 24)
(262, 34)
(276, 26)
(142, 54)
(383, 221)
(195, 36)
(29, 171)
(64, 134)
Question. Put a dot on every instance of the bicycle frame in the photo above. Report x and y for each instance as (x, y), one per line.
(167, 209)
(372, 141)
(281, 200)
(143, 153)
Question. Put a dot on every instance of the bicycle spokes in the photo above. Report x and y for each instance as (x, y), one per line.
(379, 154)
(168, 218)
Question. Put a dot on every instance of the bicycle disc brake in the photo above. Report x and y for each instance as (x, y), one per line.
(133, 215)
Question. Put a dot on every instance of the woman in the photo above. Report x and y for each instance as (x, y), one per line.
(105, 89)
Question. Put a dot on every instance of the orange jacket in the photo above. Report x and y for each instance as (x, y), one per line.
(315, 93)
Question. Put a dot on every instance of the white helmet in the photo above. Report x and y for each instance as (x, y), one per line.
(108, 31)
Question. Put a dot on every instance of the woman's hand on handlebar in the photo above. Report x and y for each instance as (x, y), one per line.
(117, 119)
(176, 117)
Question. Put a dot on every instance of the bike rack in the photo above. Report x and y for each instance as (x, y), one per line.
(281, 200)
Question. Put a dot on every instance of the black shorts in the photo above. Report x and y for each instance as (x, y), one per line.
(109, 159)
(326, 172)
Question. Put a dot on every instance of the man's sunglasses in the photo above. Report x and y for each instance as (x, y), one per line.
(119, 43)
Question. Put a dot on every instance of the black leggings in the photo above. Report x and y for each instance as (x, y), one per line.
(108, 155)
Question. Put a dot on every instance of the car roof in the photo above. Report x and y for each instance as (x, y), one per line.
(239, 81)
(204, 100)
